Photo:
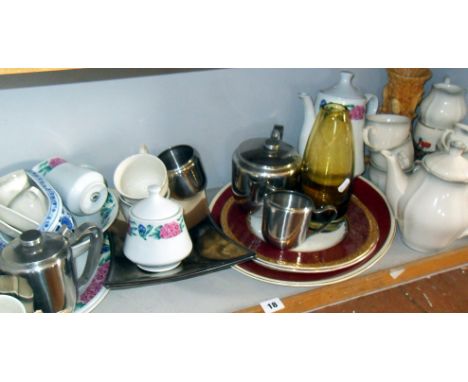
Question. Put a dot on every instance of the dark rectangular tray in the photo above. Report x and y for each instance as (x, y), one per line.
(212, 251)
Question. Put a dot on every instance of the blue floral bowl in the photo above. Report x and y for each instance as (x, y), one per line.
(57, 215)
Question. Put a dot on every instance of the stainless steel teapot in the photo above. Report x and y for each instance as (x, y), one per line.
(263, 165)
(46, 261)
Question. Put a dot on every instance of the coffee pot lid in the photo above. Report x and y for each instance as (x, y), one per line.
(32, 250)
(154, 207)
(344, 88)
(448, 165)
(272, 155)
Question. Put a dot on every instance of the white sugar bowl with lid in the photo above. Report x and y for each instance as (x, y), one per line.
(157, 238)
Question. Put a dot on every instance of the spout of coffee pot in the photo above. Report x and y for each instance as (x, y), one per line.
(309, 119)
(397, 180)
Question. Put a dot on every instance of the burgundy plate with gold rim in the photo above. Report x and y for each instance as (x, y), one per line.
(371, 229)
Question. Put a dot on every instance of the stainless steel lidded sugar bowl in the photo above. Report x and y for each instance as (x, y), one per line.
(263, 165)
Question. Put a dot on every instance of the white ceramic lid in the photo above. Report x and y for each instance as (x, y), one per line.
(344, 88)
(155, 207)
(448, 87)
(448, 165)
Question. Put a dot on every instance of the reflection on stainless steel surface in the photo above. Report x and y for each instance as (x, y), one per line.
(286, 217)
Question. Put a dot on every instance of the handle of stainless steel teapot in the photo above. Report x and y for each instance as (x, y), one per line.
(277, 132)
(94, 234)
(372, 104)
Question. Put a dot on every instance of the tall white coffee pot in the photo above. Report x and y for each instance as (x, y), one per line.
(358, 104)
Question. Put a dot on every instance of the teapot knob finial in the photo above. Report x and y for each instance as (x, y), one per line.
(154, 189)
(31, 238)
(346, 76)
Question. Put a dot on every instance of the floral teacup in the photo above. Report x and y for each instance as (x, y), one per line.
(157, 238)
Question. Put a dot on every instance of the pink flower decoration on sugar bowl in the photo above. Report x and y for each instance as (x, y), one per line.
(170, 230)
(54, 162)
(357, 112)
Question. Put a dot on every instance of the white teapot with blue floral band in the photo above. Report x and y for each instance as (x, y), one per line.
(358, 104)
(157, 239)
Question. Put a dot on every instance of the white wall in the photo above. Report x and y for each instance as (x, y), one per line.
(101, 122)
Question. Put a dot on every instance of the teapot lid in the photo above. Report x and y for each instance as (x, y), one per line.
(155, 207)
(448, 87)
(32, 250)
(272, 155)
(448, 165)
(344, 88)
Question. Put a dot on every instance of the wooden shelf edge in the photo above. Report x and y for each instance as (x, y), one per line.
(370, 283)
(8, 71)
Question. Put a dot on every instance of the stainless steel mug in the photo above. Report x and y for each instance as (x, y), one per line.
(184, 170)
(286, 218)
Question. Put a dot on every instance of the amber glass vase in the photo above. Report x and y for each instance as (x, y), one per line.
(327, 165)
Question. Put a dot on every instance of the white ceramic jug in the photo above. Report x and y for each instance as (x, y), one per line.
(358, 104)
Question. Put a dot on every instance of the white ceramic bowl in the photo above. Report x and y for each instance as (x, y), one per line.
(11, 185)
(385, 131)
(134, 174)
(16, 219)
(31, 203)
(9, 304)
